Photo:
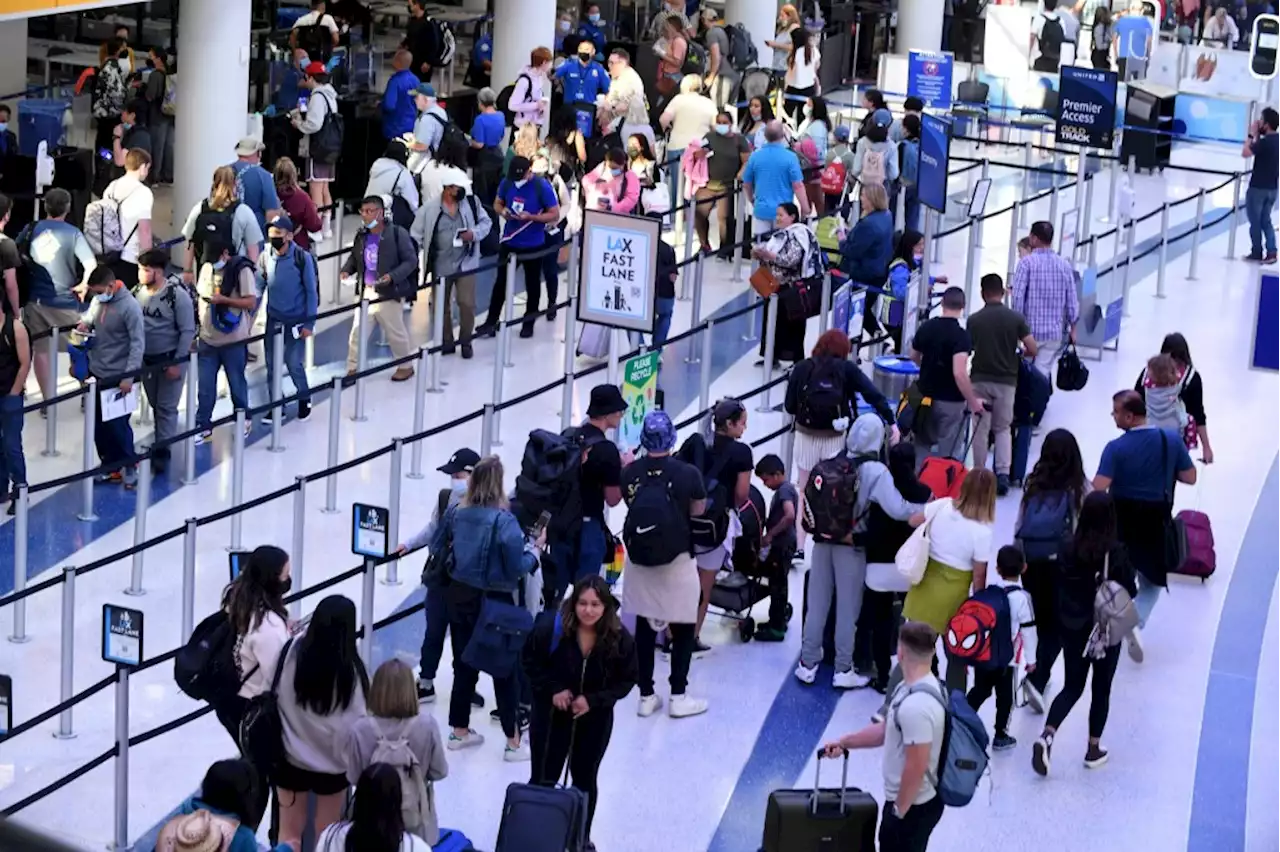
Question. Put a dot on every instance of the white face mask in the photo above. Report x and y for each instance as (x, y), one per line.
(521, 182)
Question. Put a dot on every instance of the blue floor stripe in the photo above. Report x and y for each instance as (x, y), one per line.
(1220, 800)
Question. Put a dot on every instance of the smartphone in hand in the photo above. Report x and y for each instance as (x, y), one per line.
(539, 526)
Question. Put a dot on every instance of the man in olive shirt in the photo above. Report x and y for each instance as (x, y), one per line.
(997, 331)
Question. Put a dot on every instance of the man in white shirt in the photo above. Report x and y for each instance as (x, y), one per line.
(135, 202)
(1221, 29)
(626, 99)
(315, 18)
(911, 735)
(1049, 33)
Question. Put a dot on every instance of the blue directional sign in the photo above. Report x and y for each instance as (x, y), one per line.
(929, 78)
(1086, 107)
(935, 152)
(1266, 329)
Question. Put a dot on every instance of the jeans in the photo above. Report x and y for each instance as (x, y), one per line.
(1148, 595)
(295, 349)
(232, 359)
(13, 464)
(556, 737)
(463, 603)
(911, 208)
(1257, 206)
(164, 394)
(776, 567)
(837, 573)
(1001, 683)
(112, 438)
(683, 638)
(436, 610)
(162, 150)
(575, 559)
(911, 832)
(551, 270)
(1076, 668)
(664, 308)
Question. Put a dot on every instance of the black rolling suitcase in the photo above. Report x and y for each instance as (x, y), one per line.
(818, 820)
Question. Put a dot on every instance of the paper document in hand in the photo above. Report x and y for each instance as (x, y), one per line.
(116, 404)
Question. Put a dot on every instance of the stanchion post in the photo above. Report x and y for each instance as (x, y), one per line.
(122, 759)
(971, 264)
(688, 215)
(21, 531)
(1053, 206)
(419, 415)
(936, 242)
(498, 369)
(1164, 249)
(770, 347)
(331, 460)
(704, 375)
(486, 430)
(189, 533)
(1013, 243)
(986, 174)
(438, 306)
(1086, 213)
(51, 411)
(1131, 226)
(698, 270)
(789, 442)
(824, 304)
(1234, 219)
(237, 479)
(277, 387)
(739, 209)
(927, 260)
(189, 445)
(1195, 236)
(140, 526)
(1026, 182)
(570, 344)
(611, 368)
(392, 577)
(297, 549)
(362, 356)
(508, 314)
(366, 612)
(67, 653)
(90, 415)
(337, 242)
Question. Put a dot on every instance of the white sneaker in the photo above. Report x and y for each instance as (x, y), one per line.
(683, 705)
(519, 754)
(1135, 645)
(1035, 698)
(470, 740)
(316, 236)
(804, 674)
(648, 705)
(849, 680)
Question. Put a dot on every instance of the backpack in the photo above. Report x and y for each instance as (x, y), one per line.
(415, 793)
(205, 668)
(446, 45)
(261, 733)
(108, 91)
(833, 177)
(325, 145)
(212, 226)
(453, 145)
(1046, 527)
(316, 40)
(709, 529)
(550, 477)
(1052, 36)
(963, 760)
(909, 161)
(695, 58)
(822, 398)
(742, 50)
(1114, 614)
(104, 228)
(980, 634)
(29, 273)
(873, 168)
(171, 296)
(504, 98)
(488, 245)
(169, 101)
(656, 530)
(226, 318)
(829, 498)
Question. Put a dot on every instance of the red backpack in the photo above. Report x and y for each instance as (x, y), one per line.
(833, 177)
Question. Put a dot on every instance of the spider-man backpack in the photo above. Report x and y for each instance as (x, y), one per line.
(980, 634)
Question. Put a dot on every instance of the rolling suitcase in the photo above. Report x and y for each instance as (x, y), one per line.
(818, 820)
(1021, 454)
(543, 819)
(1195, 556)
(594, 341)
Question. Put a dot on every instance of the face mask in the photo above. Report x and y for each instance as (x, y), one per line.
(634, 151)
(103, 297)
(584, 58)
(368, 225)
(460, 194)
(755, 115)
(277, 243)
(564, 26)
(917, 258)
(218, 264)
(808, 111)
(722, 129)
(126, 125)
(4, 125)
(615, 172)
(282, 587)
(520, 183)
(594, 18)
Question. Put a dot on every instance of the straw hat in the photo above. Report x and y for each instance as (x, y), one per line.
(197, 832)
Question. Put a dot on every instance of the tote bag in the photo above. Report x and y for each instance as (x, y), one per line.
(913, 556)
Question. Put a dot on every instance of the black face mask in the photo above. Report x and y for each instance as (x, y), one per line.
(460, 194)
(282, 587)
(277, 243)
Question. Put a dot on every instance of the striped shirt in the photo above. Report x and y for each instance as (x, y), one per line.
(1044, 291)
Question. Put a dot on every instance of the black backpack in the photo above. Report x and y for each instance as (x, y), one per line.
(743, 53)
(695, 58)
(205, 668)
(709, 529)
(453, 145)
(261, 730)
(830, 496)
(213, 226)
(488, 245)
(171, 296)
(1052, 37)
(317, 41)
(28, 271)
(822, 399)
(325, 145)
(550, 477)
(504, 98)
(656, 530)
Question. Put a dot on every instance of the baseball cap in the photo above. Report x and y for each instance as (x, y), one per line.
(463, 461)
(842, 133)
(315, 68)
(658, 435)
(882, 118)
(282, 222)
(248, 145)
(425, 89)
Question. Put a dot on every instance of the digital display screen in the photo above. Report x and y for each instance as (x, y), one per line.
(1268, 41)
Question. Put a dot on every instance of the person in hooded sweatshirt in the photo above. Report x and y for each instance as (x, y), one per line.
(389, 175)
(838, 570)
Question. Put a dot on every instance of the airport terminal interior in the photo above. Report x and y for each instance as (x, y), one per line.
(1132, 164)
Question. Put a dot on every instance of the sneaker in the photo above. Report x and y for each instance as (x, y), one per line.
(1095, 756)
(1267, 259)
(1003, 742)
(477, 700)
(426, 692)
(683, 705)
(806, 674)
(880, 685)
(1135, 645)
(204, 437)
(768, 633)
(526, 331)
(486, 330)
(457, 743)
(448, 349)
(112, 478)
(304, 410)
(402, 374)
(865, 668)
(13, 508)
(524, 718)
(1002, 484)
(495, 718)
(849, 680)
(1040, 755)
(519, 754)
(648, 705)
(1034, 697)
(700, 649)
(551, 314)
(129, 478)
(799, 556)
(467, 351)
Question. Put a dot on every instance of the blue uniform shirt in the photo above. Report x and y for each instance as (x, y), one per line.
(535, 196)
(399, 107)
(595, 33)
(583, 82)
(482, 52)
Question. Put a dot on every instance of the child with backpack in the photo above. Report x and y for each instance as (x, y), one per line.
(875, 159)
(778, 544)
(1022, 625)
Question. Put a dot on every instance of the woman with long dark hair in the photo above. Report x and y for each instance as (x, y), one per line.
(793, 256)
(581, 662)
(1058, 475)
(376, 823)
(802, 72)
(758, 113)
(322, 692)
(907, 256)
(1096, 554)
(1190, 394)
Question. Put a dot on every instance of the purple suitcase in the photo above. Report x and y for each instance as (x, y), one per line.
(1196, 554)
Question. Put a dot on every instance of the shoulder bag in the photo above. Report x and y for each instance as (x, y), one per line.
(439, 567)
(913, 556)
(261, 737)
(500, 631)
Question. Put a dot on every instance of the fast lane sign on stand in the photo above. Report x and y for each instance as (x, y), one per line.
(122, 635)
(369, 530)
(619, 256)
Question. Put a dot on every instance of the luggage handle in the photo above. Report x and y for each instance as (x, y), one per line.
(817, 784)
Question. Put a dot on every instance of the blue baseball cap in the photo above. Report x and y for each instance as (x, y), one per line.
(425, 89)
(282, 222)
(842, 133)
(882, 118)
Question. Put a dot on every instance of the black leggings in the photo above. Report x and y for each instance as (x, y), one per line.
(682, 642)
(463, 603)
(555, 737)
(1040, 581)
(1000, 682)
(532, 287)
(230, 713)
(1077, 672)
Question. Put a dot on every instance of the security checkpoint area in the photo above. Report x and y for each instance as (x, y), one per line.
(100, 586)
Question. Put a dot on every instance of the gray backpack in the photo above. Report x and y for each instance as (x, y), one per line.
(416, 802)
(1114, 615)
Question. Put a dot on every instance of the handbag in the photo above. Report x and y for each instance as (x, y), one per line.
(1073, 375)
(439, 567)
(764, 282)
(498, 638)
(802, 300)
(261, 732)
(913, 557)
(656, 199)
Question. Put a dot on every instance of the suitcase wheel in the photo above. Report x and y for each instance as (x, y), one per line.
(746, 629)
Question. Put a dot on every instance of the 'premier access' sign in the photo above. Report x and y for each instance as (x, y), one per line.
(1086, 107)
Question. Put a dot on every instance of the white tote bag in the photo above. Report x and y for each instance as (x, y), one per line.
(913, 556)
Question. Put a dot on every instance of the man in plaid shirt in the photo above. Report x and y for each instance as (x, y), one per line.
(1044, 291)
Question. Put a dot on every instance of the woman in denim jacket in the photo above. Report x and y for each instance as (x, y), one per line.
(491, 556)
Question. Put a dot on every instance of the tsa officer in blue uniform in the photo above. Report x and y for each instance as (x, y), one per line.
(481, 62)
(583, 80)
(592, 27)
